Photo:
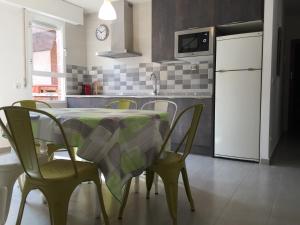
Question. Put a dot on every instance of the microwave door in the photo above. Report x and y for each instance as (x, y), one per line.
(194, 42)
(188, 43)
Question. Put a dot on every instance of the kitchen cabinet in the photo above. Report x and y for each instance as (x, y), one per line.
(231, 11)
(169, 16)
(195, 13)
(163, 28)
(203, 143)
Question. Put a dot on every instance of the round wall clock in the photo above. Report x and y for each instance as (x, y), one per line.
(102, 32)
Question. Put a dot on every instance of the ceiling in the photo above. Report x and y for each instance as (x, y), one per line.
(92, 6)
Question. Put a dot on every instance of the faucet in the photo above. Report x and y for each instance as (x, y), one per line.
(155, 86)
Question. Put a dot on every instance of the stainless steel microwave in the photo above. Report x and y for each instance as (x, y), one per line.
(194, 42)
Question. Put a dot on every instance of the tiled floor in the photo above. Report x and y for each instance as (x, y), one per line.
(225, 192)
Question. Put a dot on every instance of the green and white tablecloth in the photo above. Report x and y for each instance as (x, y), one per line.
(123, 143)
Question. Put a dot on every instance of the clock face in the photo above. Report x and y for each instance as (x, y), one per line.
(102, 32)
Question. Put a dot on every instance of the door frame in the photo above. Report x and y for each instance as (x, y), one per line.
(293, 43)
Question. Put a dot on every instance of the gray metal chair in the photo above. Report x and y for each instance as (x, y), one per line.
(161, 106)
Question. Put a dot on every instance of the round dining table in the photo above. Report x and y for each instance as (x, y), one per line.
(123, 143)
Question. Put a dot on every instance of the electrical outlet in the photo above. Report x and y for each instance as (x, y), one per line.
(194, 67)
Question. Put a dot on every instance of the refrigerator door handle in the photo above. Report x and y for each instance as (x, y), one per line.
(252, 69)
(249, 69)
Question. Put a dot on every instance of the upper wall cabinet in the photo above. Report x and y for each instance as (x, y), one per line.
(230, 11)
(163, 27)
(194, 13)
(169, 16)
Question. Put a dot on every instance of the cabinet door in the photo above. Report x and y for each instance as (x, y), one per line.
(229, 11)
(82, 102)
(195, 13)
(163, 29)
(203, 142)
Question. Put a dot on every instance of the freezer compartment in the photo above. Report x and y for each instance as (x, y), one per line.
(239, 52)
(237, 114)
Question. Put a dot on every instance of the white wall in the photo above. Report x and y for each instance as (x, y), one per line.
(271, 115)
(142, 37)
(11, 57)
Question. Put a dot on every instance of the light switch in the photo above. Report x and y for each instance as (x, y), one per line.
(18, 85)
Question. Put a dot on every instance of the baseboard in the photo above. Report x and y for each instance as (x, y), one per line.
(265, 162)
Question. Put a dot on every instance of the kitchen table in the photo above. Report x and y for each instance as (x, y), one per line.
(123, 143)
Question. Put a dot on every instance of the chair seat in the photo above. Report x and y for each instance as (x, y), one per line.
(61, 169)
(169, 158)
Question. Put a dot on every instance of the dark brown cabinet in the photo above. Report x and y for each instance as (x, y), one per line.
(230, 11)
(163, 27)
(169, 16)
(195, 13)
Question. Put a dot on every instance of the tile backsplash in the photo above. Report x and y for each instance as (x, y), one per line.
(174, 79)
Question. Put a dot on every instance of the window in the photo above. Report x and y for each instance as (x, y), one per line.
(46, 58)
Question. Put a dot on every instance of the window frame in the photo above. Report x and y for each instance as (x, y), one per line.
(31, 18)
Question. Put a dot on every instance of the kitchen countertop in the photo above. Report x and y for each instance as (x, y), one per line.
(138, 96)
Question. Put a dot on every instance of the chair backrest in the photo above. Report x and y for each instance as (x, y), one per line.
(122, 104)
(189, 137)
(162, 106)
(32, 104)
(20, 134)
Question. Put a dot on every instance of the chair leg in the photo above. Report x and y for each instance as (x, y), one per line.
(171, 189)
(5, 199)
(124, 200)
(156, 183)
(137, 184)
(25, 191)
(187, 188)
(58, 206)
(101, 201)
(149, 181)
(21, 181)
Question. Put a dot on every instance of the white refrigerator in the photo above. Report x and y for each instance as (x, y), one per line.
(238, 96)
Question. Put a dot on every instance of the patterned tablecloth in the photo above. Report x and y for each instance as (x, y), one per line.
(123, 143)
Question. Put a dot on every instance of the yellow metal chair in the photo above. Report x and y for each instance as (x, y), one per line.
(171, 165)
(56, 179)
(162, 106)
(32, 104)
(122, 104)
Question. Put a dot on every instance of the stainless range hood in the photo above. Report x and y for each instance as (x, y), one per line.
(121, 33)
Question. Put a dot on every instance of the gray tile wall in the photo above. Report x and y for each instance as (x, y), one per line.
(179, 78)
(76, 76)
